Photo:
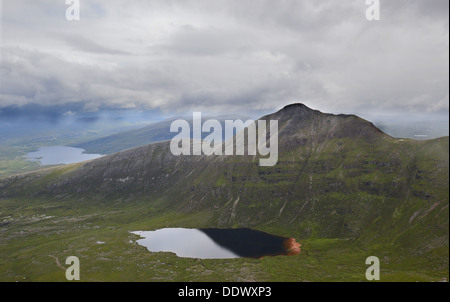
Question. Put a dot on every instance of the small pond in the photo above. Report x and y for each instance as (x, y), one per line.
(217, 243)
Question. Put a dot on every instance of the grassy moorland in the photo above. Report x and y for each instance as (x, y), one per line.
(45, 233)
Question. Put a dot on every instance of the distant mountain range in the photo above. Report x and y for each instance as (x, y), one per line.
(338, 176)
(157, 132)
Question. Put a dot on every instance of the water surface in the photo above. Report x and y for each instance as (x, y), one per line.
(189, 243)
(57, 155)
(216, 243)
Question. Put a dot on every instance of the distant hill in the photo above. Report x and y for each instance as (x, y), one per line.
(156, 132)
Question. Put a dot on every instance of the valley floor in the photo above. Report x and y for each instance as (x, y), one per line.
(36, 238)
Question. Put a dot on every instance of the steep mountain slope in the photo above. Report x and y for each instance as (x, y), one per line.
(337, 177)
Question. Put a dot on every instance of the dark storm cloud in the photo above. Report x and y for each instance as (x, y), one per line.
(227, 55)
(33, 112)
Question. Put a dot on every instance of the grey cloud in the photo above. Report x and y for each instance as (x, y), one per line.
(420, 9)
(209, 41)
(228, 55)
(79, 42)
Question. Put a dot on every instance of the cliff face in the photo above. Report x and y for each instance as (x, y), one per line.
(337, 176)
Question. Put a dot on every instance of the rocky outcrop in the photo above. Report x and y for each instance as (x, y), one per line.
(292, 247)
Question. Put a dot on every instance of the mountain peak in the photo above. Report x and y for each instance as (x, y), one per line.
(296, 106)
(305, 124)
(293, 111)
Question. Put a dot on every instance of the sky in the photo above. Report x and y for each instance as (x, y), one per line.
(224, 56)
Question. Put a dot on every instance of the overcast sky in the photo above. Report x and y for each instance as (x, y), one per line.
(226, 55)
